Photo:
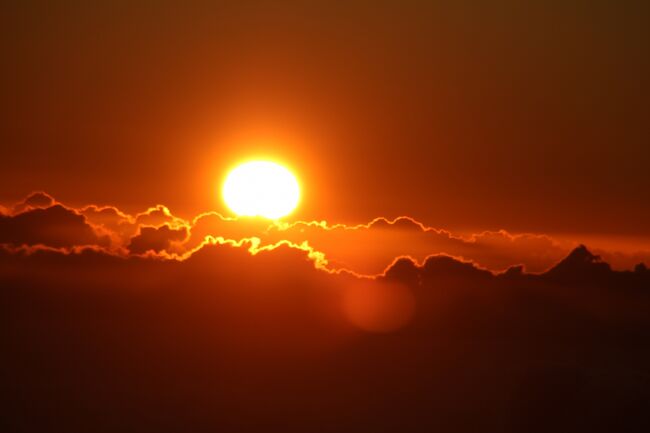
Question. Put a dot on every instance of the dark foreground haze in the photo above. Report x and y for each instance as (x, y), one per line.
(229, 341)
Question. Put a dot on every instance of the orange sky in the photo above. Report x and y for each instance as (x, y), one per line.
(467, 118)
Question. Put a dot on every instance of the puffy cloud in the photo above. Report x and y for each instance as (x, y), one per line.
(363, 249)
(157, 216)
(441, 266)
(54, 226)
(580, 260)
(624, 260)
(35, 200)
(368, 247)
(404, 269)
(580, 268)
(216, 225)
(107, 216)
(110, 221)
(157, 239)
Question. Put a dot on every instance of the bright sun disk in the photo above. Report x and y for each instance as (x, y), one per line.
(261, 188)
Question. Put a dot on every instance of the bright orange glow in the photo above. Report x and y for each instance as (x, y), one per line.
(261, 188)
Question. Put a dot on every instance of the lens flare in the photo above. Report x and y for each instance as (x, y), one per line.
(378, 306)
(261, 188)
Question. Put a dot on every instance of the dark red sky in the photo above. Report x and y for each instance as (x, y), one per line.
(476, 116)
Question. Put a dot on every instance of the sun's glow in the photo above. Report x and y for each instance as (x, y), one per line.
(261, 188)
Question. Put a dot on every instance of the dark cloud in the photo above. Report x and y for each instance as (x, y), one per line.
(54, 226)
(35, 200)
(404, 269)
(368, 247)
(579, 268)
(157, 216)
(624, 260)
(157, 239)
(580, 264)
(443, 266)
(107, 216)
(364, 249)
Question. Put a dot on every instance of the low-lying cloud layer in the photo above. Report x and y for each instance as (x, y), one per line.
(364, 249)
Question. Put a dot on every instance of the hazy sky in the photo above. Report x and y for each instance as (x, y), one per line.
(463, 116)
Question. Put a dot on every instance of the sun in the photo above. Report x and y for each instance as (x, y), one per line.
(261, 189)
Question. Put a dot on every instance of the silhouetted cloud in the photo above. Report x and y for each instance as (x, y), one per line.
(157, 239)
(35, 200)
(157, 216)
(443, 266)
(580, 263)
(363, 249)
(54, 226)
(368, 247)
(107, 216)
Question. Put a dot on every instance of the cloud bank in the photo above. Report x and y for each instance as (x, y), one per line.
(365, 249)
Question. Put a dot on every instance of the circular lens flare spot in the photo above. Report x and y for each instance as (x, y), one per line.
(378, 306)
(261, 188)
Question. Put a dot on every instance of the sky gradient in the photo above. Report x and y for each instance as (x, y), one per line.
(467, 117)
